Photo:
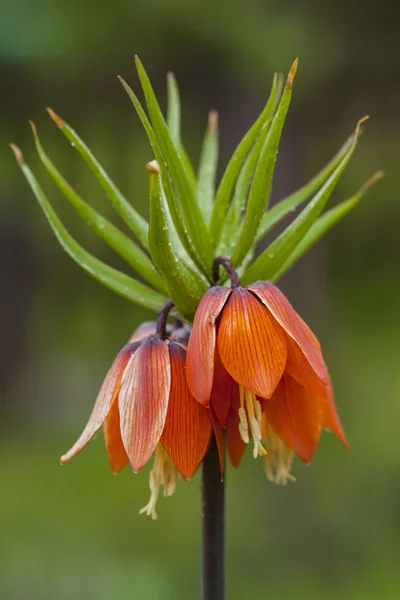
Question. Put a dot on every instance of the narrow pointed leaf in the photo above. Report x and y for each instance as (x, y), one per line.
(115, 280)
(166, 180)
(118, 241)
(173, 109)
(233, 227)
(232, 171)
(289, 204)
(277, 253)
(132, 218)
(261, 186)
(174, 123)
(208, 167)
(185, 285)
(190, 210)
(322, 225)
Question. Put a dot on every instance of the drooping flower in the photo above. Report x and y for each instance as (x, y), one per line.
(146, 408)
(253, 359)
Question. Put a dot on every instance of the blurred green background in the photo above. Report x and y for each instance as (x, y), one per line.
(75, 532)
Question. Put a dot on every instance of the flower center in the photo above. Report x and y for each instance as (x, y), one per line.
(163, 473)
(279, 458)
(250, 418)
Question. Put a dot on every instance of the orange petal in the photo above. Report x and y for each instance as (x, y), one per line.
(252, 345)
(220, 439)
(201, 347)
(107, 395)
(117, 456)
(187, 430)
(331, 419)
(224, 390)
(293, 324)
(298, 367)
(143, 400)
(146, 329)
(296, 415)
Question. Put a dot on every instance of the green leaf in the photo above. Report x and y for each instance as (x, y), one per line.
(132, 218)
(166, 180)
(235, 164)
(115, 280)
(290, 203)
(190, 210)
(174, 124)
(277, 253)
(173, 109)
(185, 285)
(234, 225)
(261, 186)
(118, 241)
(208, 167)
(323, 224)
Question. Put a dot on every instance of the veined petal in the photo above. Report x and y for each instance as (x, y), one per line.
(331, 419)
(293, 324)
(298, 367)
(251, 343)
(107, 395)
(187, 429)
(225, 390)
(117, 456)
(296, 416)
(201, 347)
(143, 400)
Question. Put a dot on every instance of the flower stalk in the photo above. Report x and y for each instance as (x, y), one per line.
(213, 527)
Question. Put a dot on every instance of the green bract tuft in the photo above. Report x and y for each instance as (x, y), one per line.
(195, 219)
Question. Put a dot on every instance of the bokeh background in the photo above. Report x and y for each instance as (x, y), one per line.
(74, 532)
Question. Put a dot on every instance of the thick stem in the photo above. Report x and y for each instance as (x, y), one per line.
(213, 528)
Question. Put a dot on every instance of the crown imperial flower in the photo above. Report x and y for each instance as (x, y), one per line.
(145, 407)
(284, 396)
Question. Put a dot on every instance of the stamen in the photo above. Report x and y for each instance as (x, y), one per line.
(279, 458)
(250, 417)
(163, 473)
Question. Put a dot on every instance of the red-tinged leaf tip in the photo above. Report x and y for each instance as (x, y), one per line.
(153, 167)
(18, 154)
(213, 120)
(57, 120)
(33, 127)
(359, 129)
(368, 184)
(125, 85)
(292, 73)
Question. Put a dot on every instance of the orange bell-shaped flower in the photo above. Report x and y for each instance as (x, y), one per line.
(145, 407)
(259, 366)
